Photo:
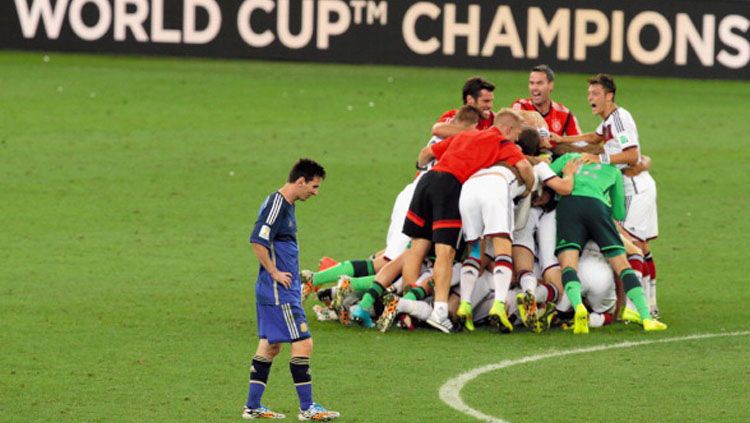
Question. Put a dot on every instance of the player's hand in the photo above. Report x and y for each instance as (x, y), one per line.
(526, 193)
(284, 278)
(589, 158)
(555, 137)
(572, 166)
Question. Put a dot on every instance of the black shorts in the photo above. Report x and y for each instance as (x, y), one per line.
(433, 212)
(582, 219)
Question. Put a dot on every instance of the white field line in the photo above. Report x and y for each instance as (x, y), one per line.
(450, 392)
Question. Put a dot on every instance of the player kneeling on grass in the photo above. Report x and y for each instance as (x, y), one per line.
(281, 318)
(586, 215)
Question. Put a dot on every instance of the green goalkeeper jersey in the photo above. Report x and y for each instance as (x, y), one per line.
(600, 181)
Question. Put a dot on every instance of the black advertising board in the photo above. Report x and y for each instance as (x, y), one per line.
(700, 39)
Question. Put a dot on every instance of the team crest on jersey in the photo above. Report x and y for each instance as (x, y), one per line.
(556, 126)
(303, 327)
(265, 232)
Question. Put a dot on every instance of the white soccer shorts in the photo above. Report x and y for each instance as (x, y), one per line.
(486, 205)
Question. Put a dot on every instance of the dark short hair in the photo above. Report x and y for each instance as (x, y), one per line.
(306, 168)
(547, 71)
(468, 114)
(528, 140)
(606, 81)
(474, 86)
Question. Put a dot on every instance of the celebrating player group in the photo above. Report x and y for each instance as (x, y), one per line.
(515, 219)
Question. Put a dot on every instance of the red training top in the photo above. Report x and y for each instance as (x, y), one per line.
(559, 119)
(465, 153)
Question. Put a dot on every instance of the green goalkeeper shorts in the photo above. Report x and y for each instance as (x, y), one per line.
(581, 219)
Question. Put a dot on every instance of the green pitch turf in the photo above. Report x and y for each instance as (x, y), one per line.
(129, 187)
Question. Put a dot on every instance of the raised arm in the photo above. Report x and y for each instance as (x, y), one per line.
(590, 137)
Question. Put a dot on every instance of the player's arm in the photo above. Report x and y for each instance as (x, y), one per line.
(617, 198)
(590, 137)
(564, 185)
(434, 151)
(446, 129)
(643, 164)
(527, 175)
(264, 257)
(425, 156)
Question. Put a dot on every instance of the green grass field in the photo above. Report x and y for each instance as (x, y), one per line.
(129, 187)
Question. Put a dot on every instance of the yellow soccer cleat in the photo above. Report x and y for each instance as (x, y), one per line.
(630, 315)
(527, 309)
(466, 314)
(651, 325)
(581, 322)
(499, 317)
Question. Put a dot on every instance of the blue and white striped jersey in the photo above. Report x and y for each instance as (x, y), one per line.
(276, 229)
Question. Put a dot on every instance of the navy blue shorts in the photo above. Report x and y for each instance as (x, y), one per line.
(282, 323)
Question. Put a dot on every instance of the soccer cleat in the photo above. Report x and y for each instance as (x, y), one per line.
(527, 309)
(326, 263)
(465, 314)
(651, 325)
(306, 277)
(389, 313)
(405, 322)
(358, 313)
(261, 412)
(630, 315)
(442, 324)
(342, 291)
(499, 317)
(544, 321)
(581, 320)
(317, 413)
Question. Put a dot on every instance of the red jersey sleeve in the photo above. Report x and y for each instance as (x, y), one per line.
(447, 116)
(439, 148)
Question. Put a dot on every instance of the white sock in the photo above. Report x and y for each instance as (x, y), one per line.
(564, 303)
(528, 282)
(469, 275)
(441, 310)
(501, 276)
(541, 293)
(652, 291)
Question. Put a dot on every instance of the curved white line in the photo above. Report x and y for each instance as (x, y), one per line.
(450, 392)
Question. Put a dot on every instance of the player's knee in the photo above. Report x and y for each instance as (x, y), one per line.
(302, 348)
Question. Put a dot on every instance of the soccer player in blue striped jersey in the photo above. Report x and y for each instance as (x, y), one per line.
(281, 318)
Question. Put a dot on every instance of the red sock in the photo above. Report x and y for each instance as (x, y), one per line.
(636, 262)
(649, 264)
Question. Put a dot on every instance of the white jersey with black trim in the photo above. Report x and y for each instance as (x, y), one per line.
(620, 133)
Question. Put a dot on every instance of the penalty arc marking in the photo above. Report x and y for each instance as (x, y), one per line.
(450, 392)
